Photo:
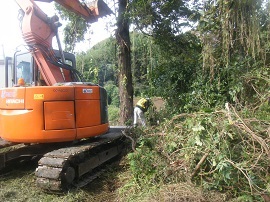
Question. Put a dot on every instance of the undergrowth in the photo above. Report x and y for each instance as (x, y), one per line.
(224, 151)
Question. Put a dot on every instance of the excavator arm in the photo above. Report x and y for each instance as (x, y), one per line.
(90, 11)
(38, 31)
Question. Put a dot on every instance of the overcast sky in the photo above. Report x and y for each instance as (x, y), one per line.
(10, 34)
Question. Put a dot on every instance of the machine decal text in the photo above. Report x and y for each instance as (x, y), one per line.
(60, 90)
(87, 90)
(6, 94)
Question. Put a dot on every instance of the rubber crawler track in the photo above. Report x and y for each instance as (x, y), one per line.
(77, 165)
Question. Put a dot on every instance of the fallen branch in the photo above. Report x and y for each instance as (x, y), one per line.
(245, 174)
(199, 164)
(241, 124)
(132, 140)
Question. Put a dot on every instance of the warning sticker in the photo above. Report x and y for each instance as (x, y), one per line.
(38, 96)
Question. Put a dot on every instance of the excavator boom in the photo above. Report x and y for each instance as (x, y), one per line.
(38, 31)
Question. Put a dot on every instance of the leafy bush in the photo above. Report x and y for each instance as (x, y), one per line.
(146, 164)
(113, 113)
(223, 150)
(113, 93)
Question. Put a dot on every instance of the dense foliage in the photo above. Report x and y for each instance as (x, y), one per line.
(98, 65)
(75, 28)
(218, 145)
(223, 150)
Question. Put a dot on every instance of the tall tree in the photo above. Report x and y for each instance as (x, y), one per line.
(124, 62)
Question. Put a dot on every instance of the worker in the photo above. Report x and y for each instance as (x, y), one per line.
(139, 110)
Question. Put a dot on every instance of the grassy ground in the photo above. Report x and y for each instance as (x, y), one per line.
(114, 185)
(18, 184)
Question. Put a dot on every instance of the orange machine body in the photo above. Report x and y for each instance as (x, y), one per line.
(43, 114)
(53, 104)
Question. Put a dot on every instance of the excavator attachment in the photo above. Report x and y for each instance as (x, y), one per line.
(90, 11)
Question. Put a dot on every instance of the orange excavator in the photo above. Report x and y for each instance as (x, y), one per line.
(50, 110)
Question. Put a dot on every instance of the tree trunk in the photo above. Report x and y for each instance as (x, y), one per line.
(124, 64)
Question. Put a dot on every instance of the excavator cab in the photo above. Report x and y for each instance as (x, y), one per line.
(24, 67)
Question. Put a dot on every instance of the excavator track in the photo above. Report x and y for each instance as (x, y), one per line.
(78, 165)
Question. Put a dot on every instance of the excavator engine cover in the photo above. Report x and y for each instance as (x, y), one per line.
(52, 113)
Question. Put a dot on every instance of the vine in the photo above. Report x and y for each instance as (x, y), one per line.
(229, 29)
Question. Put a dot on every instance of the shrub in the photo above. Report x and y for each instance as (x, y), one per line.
(223, 150)
(113, 113)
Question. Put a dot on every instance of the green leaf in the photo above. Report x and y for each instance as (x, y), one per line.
(198, 128)
(198, 141)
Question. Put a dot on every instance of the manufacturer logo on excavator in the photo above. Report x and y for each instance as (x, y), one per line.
(14, 101)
